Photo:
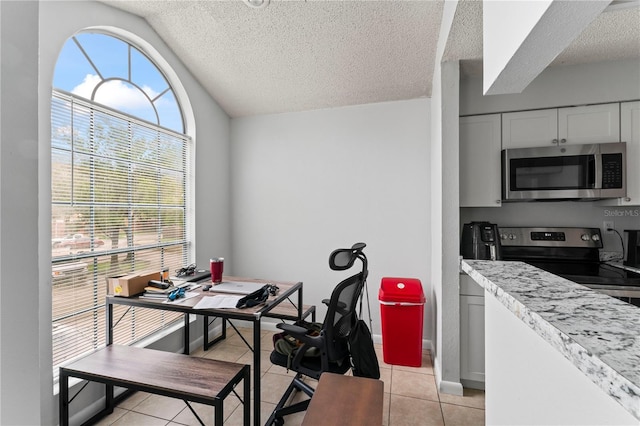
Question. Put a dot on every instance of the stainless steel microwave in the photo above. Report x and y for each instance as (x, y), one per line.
(565, 172)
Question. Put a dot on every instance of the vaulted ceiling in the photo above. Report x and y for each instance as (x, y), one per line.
(294, 55)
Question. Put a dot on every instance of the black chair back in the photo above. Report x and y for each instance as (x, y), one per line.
(341, 316)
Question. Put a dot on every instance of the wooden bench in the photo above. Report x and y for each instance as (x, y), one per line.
(195, 379)
(345, 401)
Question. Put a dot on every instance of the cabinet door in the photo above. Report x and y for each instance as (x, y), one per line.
(472, 338)
(480, 161)
(630, 133)
(589, 124)
(528, 129)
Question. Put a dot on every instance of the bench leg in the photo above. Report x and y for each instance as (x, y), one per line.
(219, 412)
(63, 399)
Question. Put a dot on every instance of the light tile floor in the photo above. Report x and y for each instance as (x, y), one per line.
(411, 397)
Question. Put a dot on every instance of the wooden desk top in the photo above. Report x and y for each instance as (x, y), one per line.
(286, 289)
(345, 401)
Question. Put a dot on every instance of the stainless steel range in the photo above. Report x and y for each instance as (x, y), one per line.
(572, 253)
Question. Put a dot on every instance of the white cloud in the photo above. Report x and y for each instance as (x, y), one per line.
(114, 93)
(85, 88)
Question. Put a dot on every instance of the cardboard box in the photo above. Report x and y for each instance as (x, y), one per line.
(131, 284)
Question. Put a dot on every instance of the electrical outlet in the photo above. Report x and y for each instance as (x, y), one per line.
(606, 225)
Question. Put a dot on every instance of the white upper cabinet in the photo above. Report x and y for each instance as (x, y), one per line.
(558, 126)
(589, 124)
(528, 129)
(480, 169)
(630, 133)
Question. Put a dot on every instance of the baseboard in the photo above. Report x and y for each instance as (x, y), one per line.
(426, 343)
(92, 409)
(444, 386)
(451, 388)
(472, 384)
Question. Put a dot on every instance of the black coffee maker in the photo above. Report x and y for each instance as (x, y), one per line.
(480, 240)
(632, 243)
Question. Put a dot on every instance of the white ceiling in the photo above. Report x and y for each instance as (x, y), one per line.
(300, 55)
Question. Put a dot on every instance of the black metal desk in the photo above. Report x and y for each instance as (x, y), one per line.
(253, 315)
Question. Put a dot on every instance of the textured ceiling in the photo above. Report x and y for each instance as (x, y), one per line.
(303, 55)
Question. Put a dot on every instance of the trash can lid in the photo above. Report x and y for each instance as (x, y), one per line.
(407, 290)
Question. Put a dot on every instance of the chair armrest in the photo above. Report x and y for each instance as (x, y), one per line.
(300, 333)
(292, 329)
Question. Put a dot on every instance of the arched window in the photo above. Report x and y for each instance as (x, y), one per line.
(118, 180)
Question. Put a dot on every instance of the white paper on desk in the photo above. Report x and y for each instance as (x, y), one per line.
(218, 302)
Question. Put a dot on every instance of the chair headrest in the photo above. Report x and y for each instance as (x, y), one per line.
(341, 259)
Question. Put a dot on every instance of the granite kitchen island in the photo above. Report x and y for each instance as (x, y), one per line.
(556, 352)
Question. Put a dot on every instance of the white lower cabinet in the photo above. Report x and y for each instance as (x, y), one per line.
(471, 333)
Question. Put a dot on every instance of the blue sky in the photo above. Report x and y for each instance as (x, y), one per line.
(118, 89)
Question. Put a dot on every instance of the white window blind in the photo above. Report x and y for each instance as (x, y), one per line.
(118, 206)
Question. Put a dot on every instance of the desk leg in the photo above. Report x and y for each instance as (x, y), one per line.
(109, 310)
(186, 334)
(205, 332)
(247, 397)
(63, 397)
(300, 307)
(223, 335)
(109, 403)
(256, 372)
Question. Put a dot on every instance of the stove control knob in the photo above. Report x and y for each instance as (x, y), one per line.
(595, 237)
(512, 236)
(585, 237)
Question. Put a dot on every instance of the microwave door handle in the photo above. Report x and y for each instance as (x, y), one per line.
(598, 171)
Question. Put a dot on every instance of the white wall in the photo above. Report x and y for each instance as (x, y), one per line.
(505, 28)
(559, 86)
(32, 34)
(21, 349)
(444, 213)
(304, 184)
(566, 213)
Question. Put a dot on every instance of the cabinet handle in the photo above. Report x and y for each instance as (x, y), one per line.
(554, 142)
(563, 141)
(627, 199)
(498, 201)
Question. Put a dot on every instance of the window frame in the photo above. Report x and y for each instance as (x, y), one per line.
(188, 218)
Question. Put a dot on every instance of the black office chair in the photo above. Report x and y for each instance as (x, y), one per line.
(332, 341)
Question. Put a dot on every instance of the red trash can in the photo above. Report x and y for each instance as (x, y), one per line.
(401, 315)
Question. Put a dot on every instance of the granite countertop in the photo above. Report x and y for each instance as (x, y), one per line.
(600, 335)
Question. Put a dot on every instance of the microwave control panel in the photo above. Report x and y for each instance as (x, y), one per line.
(611, 171)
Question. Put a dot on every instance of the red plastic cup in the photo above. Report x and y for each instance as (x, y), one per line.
(216, 264)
